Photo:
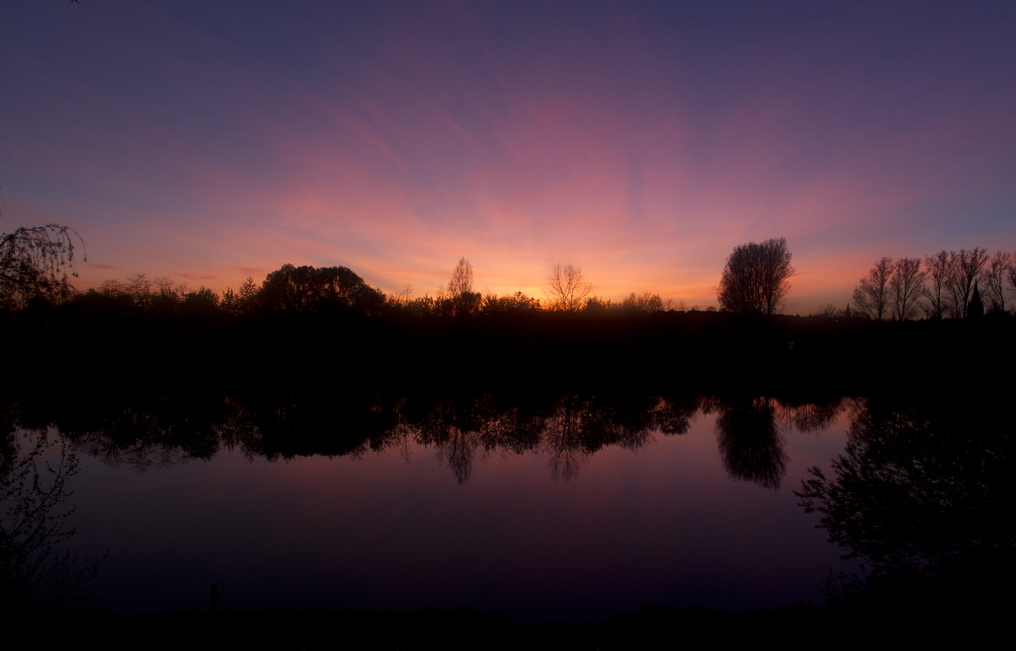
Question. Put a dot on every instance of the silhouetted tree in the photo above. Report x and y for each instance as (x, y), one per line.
(964, 269)
(567, 288)
(872, 294)
(422, 305)
(295, 290)
(755, 279)
(517, 303)
(402, 298)
(597, 305)
(644, 302)
(462, 278)
(1010, 273)
(141, 293)
(243, 301)
(993, 277)
(229, 302)
(33, 264)
(938, 273)
(203, 301)
(905, 287)
(463, 301)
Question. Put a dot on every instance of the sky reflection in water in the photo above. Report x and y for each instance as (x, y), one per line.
(663, 525)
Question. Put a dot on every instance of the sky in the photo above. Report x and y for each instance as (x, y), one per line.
(639, 141)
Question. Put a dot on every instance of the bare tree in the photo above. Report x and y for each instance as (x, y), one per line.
(964, 269)
(147, 293)
(756, 277)
(1010, 273)
(567, 288)
(905, 287)
(938, 273)
(872, 294)
(462, 278)
(34, 262)
(993, 278)
(462, 300)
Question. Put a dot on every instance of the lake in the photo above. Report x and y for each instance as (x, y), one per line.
(554, 531)
(541, 508)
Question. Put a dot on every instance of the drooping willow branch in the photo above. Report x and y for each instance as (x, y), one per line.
(34, 263)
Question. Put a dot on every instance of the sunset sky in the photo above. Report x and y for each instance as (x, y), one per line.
(641, 141)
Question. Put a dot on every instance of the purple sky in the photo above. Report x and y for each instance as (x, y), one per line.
(640, 141)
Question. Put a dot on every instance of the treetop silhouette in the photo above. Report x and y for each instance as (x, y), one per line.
(755, 279)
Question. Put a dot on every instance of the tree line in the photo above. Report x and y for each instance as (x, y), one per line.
(36, 263)
(949, 284)
(293, 290)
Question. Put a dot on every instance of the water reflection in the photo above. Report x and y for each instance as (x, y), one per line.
(537, 505)
(748, 430)
(567, 429)
(750, 443)
(924, 495)
(36, 569)
(921, 494)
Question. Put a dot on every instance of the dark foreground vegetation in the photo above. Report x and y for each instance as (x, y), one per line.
(307, 325)
(694, 352)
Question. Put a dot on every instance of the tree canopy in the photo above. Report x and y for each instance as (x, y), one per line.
(755, 279)
(295, 290)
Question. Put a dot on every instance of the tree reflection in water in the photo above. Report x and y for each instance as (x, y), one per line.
(563, 430)
(750, 442)
(748, 432)
(145, 431)
(155, 430)
(924, 494)
(35, 570)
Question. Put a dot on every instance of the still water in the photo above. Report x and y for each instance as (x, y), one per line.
(541, 531)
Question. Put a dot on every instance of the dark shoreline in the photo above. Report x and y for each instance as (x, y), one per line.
(666, 352)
